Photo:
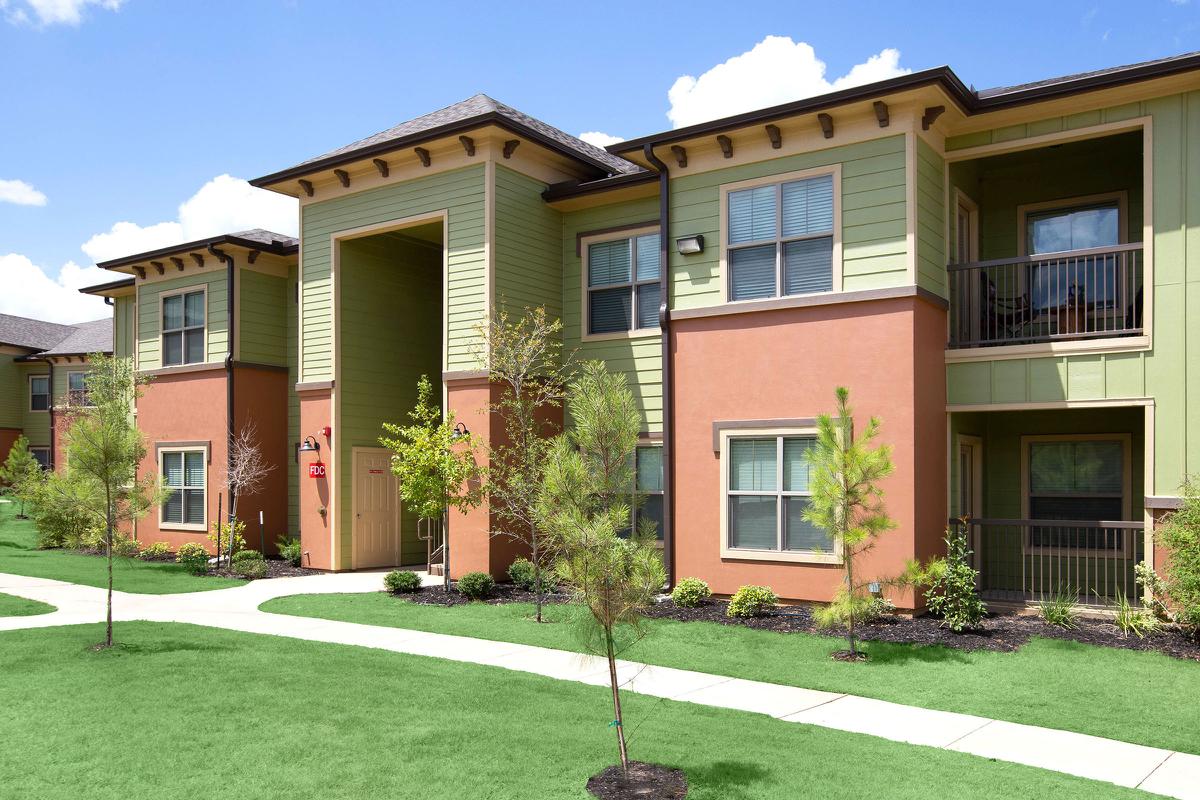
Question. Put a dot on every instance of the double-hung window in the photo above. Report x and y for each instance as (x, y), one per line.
(1093, 281)
(183, 328)
(39, 392)
(41, 455)
(623, 289)
(77, 391)
(780, 238)
(648, 486)
(1081, 479)
(766, 495)
(183, 472)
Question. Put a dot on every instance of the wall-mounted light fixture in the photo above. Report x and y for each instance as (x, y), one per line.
(310, 445)
(690, 245)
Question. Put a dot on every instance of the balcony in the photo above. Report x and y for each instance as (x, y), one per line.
(1066, 296)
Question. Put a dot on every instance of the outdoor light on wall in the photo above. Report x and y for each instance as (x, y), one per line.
(690, 245)
(310, 445)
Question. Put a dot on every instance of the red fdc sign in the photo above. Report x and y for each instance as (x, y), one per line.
(316, 470)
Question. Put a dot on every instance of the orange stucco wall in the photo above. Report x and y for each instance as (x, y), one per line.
(316, 412)
(785, 364)
(260, 397)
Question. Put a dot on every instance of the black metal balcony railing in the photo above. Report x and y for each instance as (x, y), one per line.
(1028, 560)
(1077, 294)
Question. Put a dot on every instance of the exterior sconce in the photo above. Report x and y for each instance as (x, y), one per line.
(310, 445)
(690, 245)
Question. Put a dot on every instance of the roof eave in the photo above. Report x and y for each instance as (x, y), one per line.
(569, 189)
(225, 238)
(101, 288)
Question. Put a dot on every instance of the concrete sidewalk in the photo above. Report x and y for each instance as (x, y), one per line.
(1135, 766)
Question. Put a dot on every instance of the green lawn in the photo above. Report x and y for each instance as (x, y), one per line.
(19, 556)
(184, 712)
(1145, 698)
(20, 607)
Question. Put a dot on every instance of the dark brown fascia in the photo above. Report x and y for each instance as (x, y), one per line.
(403, 142)
(101, 288)
(229, 239)
(967, 100)
(569, 189)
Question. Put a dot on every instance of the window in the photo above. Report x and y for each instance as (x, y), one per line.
(41, 455)
(39, 392)
(780, 238)
(1092, 281)
(183, 471)
(183, 328)
(648, 467)
(77, 391)
(1080, 479)
(623, 288)
(767, 492)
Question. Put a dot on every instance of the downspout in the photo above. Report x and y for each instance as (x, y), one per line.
(231, 327)
(664, 321)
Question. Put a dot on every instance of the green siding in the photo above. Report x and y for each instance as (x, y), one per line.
(1171, 372)
(35, 424)
(640, 358)
(262, 331)
(874, 247)
(12, 389)
(390, 307)
(931, 219)
(61, 385)
(123, 324)
(293, 365)
(461, 194)
(216, 312)
(528, 242)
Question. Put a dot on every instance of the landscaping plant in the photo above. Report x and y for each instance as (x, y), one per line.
(61, 509)
(400, 581)
(1179, 534)
(290, 550)
(155, 552)
(126, 547)
(1061, 608)
(1130, 619)
(847, 502)
(433, 462)
(193, 557)
(751, 601)
(949, 584)
(103, 452)
(523, 573)
(584, 503)
(690, 593)
(245, 474)
(524, 359)
(230, 534)
(476, 585)
(22, 472)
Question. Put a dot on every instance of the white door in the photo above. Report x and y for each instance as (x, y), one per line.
(376, 510)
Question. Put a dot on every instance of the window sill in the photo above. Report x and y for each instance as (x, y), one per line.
(181, 369)
(1006, 352)
(798, 557)
(640, 333)
(817, 299)
(183, 527)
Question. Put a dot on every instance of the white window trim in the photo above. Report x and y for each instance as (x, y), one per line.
(162, 350)
(585, 243)
(49, 394)
(1121, 198)
(84, 373)
(45, 450)
(182, 526)
(835, 170)
(793, 556)
(1126, 550)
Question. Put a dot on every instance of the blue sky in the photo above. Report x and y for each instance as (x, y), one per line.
(121, 110)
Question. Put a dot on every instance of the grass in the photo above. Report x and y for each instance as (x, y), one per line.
(20, 607)
(1142, 697)
(20, 556)
(182, 712)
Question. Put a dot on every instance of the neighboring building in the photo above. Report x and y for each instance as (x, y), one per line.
(211, 323)
(42, 370)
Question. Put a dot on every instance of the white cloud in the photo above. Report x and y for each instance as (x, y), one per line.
(52, 12)
(21, 193)
(31, 292)
(600, 139)
(776, 70)
(223, 205)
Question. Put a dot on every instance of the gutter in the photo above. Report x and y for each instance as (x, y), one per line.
(230, 304)
(664, 321)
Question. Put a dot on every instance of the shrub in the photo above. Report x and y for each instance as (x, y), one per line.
(193, 556)
(250, 567)
(290, 550)
(246, 555)
(155, 551)
(1137, 621)
(1179, 533)
(476, 585)
(126, 547)
(1155, 589)
(401, 581)
(223, 530)
(690, 592)
(57, 510)
(751, 601)
(877, 608)
(949, 585)
(1061, 609)
(522, 574)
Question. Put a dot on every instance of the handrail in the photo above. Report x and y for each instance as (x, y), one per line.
(1040, 257)
(1059, 523)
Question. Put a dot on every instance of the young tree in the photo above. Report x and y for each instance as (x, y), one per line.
(22, 472)
(1179, 533)
(525, 358)
(247, 472)
(848, 504)
(104, 450)
(434, 463)
(584, 504)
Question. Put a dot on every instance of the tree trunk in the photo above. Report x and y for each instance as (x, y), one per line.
(537, 571)
(108, 524)
(618, 721)
(850, 608)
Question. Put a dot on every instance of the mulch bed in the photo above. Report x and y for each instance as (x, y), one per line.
(276, 568)
(642, 782)
(503, 593)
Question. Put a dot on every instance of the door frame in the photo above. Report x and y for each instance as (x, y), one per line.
(354, 451)
(974, 534)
